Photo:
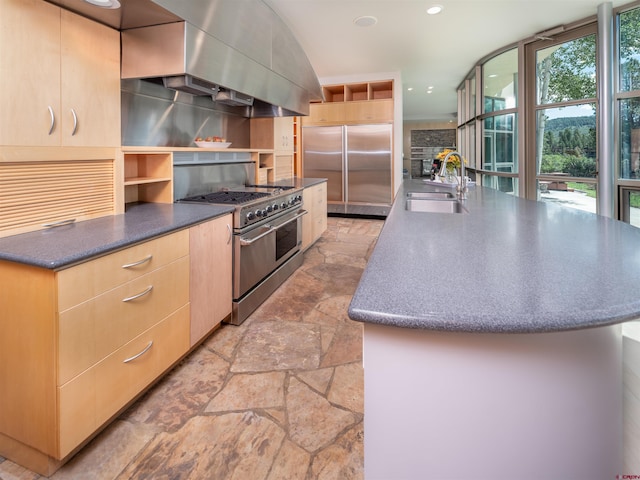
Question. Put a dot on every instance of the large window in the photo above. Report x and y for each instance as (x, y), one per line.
(629, 99)
(562, 120)
(499, 122)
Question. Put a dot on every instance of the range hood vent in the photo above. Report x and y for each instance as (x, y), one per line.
(233, 98)
(191, 85)
(263, 70)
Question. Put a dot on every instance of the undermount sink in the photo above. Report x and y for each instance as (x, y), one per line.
(432, 195)
(435, 205)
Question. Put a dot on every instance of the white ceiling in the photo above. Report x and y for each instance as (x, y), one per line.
(427, 50)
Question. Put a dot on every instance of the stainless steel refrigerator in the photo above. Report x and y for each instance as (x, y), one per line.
(357, 162)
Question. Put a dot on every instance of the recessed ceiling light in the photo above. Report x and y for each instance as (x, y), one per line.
(435, 9)
(365, 21)
(104, 3)
(410, 88)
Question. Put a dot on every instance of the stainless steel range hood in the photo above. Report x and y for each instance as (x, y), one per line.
(240, 52)
(233, 50)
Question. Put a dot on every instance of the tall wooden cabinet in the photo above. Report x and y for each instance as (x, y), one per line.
(60, 81)
(277, 134)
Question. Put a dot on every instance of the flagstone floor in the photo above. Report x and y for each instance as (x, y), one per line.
(278, 397)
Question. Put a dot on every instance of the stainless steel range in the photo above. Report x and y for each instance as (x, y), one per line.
(267, 228)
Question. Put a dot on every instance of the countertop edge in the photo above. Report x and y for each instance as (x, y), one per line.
(63, 247)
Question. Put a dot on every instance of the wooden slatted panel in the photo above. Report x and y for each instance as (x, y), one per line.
(37, 193)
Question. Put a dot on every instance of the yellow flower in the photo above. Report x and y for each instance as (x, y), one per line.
(453, 161)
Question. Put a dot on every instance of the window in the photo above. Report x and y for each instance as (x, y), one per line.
(561, 123)
(628, 99)
(499, 122)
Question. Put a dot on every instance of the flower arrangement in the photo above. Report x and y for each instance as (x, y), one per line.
(453, 161)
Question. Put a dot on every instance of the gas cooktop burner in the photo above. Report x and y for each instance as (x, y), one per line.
(235, 197)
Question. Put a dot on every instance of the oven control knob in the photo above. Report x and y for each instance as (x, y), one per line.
(299, 198)
(269, 208)
(275, 207)
(284, 205)
(251, 216)
(264, 213)
(258, 213)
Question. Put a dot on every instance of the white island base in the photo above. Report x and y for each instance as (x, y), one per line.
(474, 406)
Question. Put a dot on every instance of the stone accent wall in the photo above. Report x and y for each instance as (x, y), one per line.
(426, 144)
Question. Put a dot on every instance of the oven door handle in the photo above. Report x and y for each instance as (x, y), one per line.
(270, 229)
(301, 213)
(244, 242)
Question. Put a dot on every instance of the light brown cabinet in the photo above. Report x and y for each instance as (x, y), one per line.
(277, 134)
(210, 277)
(80, 343)
(354, 103)
(315, 222)
(45, 187)
(61, 77)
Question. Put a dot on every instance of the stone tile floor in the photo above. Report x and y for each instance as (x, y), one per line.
(279, 397)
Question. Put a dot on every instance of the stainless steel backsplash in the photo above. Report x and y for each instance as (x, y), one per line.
(155, 116)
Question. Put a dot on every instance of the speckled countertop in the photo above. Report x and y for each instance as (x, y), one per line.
(61, 247)
(508, 265)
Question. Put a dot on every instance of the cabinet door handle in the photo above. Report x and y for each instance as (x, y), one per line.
(230, 234)
(138, 295)
(53, 120)
(75, 122)
(138, 355)
(139, 262)
(61, 223)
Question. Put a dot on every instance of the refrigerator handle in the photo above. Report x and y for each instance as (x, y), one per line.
(345, 165)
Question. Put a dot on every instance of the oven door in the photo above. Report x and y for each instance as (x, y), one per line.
(261, 250)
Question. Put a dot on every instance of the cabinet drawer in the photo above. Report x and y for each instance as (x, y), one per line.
(94, 397)
(89, 279)
(94, 329)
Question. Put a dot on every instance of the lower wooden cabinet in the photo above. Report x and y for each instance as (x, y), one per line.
(79, 344)
(210, 277)
(315, 222)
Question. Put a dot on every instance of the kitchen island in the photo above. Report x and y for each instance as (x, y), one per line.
(492, 340)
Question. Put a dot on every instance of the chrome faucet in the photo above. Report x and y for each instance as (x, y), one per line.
(462, 184)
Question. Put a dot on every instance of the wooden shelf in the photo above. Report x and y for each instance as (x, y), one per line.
(148, 177)
(357, 92)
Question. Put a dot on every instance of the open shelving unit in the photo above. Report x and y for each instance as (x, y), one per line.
(148, 177)
(356, 92)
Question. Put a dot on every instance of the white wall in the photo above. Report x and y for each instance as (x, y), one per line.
(631, 396)
(397, 114)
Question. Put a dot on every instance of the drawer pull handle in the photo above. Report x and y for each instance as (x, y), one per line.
(61, 223)
(138, 295)
(230, 234)
(138, 355)
(139, 262)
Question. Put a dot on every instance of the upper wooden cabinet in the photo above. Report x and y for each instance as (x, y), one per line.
(357, 103)
(60, 77)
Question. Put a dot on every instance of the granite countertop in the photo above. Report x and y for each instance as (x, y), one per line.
(64, 246)
(508, 265)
